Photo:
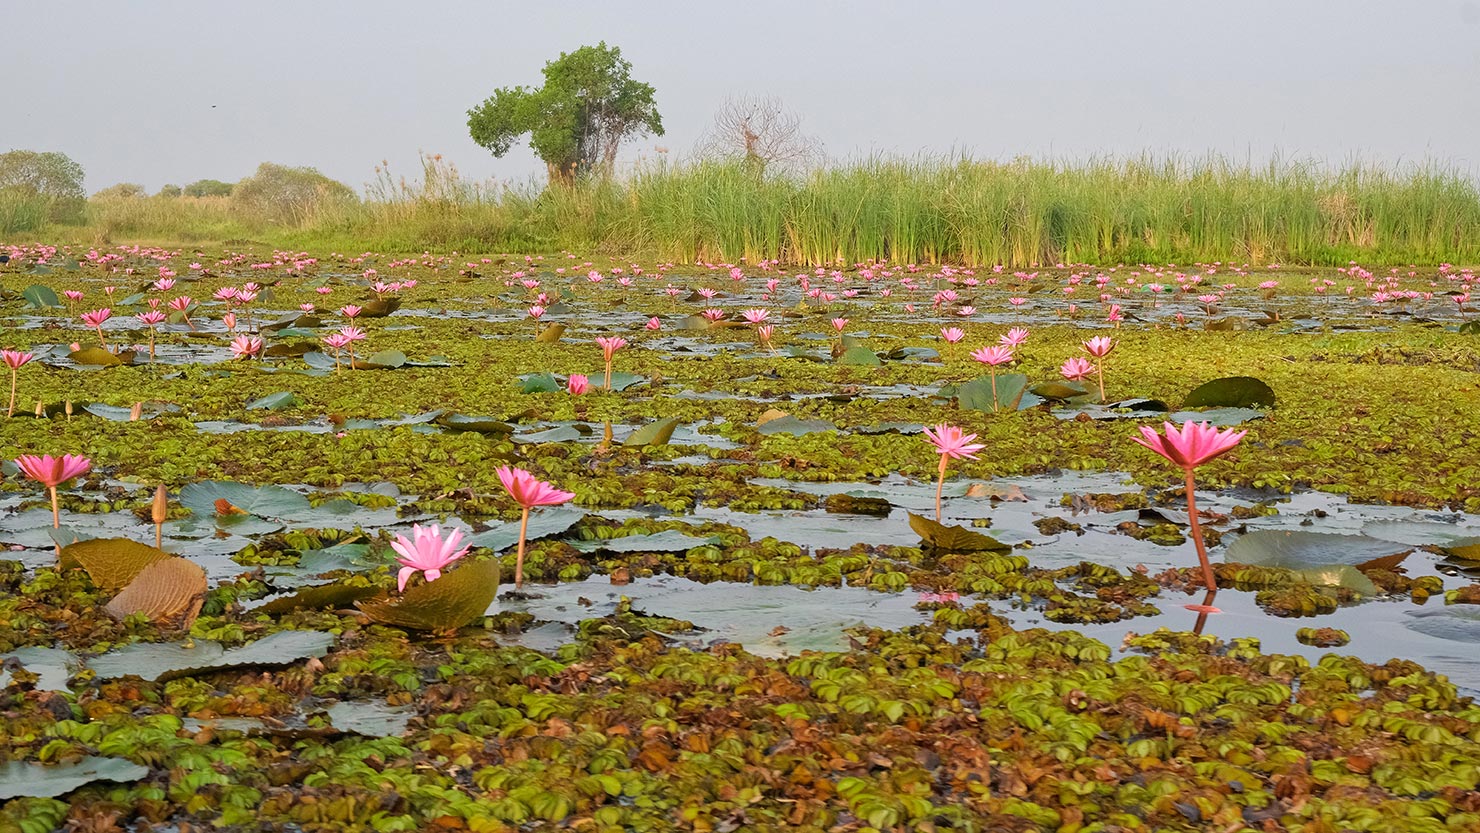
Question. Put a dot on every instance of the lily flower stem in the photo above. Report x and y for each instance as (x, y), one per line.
(994, 390)
(940, 486)
(1100, 370)
(11, 410)
(1197, 536)
(56, 512)
(519, 558)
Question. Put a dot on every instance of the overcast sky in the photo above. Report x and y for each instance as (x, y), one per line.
(156, 92)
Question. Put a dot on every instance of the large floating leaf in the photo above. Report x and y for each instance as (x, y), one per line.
(99, 357)
(669, 541)
(1459, 623)
(1231, 391)
(38, 296)
(164, 661)
(375, 720)
(274, 401)
(168, 592)
(620, 380)
(788, 424)
(1466, 550)
(380, 307)
(480, 425)
(954, 538)
(551, 334)
(859, 357)
(35, 780)
(458, 598)
(654, 433)
(977, 394)
(1301, 550)
(388, 359)
(1218, 417)
(542, 524)
(264, 501)
(1060, 391)
(112, 563)
(539, 383)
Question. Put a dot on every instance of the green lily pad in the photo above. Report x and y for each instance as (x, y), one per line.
(274, 401)
(859, 357)
(620, 381)
(1059, 391)
(99, 357)
(558, 434)
(389, 359)
(317, 597)
(551, 334)
(654, 433)
(458, 598)
(954, 538)
(669, 541)
(977, 394)
(1217, 417)
(263, 501)
(40, 297)
(379, 307)
(1231, 391)
(36, 780)
(164, 661)
(1466, 550)
(479, 425)
(539, 383)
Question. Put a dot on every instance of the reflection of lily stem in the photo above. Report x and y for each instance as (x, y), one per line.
(1197, 536)
(519, 558)
(940, 485)
(14, 372)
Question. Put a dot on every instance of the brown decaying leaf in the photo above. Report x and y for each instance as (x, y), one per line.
(224, 507)
(111, 563)
(168, 592)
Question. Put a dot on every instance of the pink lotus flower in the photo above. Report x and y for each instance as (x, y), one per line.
(306, 307)
(756, 316)
(1076, 369)
(51, 472)
(577, 384)
(324, 290)
(654, 323)
(840, 324)
(229, 321)
(246, 347)
(428, 554)
(1189, 448)
(72, 295)
(152, 319)
(951, 443)
(529, 492)
(952, 334)
(713, 315)
(350, 311)
(764, 332)
(1099, 346)
(1014, 337)
(15, 359)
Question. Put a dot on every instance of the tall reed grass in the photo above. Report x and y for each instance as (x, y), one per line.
(921, 210)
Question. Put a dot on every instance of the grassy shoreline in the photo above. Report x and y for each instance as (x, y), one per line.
(924, 210)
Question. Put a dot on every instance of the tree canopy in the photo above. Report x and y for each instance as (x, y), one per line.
(588, 106)
(52, 180)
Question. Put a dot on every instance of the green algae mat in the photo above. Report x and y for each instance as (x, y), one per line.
(751, 613)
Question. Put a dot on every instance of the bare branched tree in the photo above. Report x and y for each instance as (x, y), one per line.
(762, 133)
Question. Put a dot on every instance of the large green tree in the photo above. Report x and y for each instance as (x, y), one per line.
(52, 181)
(587, 107)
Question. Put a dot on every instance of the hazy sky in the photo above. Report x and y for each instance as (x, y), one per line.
(157, 92)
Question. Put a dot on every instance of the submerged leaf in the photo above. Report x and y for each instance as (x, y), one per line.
(550, 334)
(333, 595)
(164, 661)
(654, 433)
(1301, 550)
(36, 780)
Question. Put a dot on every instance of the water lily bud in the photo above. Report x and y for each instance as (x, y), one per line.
(67, 407)
(161, 508)
(136, 413)
(40, 409)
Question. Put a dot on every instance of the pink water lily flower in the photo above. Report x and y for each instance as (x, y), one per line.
(528, 491)
(952, 334)
(1076, 369)
(951, 443)
(15, 360)
(609, 347)
(350, 311)
(654, 323)
(756, 316)
(993, 356)
(1014, 337)
(840, 324)
(429, 553)
(1195, 444)
(246, 347)
(95, 320)
(577, 384)
(51, 472)
(1100, 347)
